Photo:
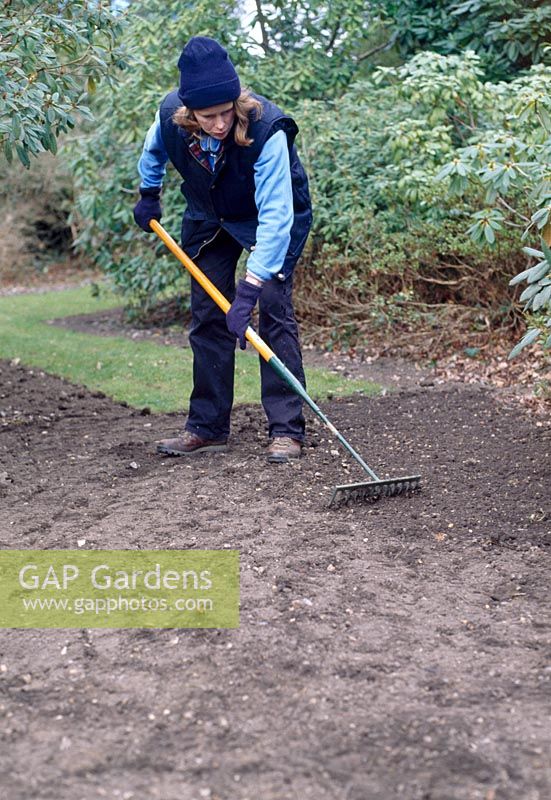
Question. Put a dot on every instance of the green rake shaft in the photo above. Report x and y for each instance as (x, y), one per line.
(347, 493)
(350, 492)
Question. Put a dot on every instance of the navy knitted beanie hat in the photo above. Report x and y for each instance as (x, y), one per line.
(207, 76)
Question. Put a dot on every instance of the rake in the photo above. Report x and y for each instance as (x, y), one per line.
(342, 495)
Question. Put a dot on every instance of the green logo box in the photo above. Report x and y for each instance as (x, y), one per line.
(119, 588)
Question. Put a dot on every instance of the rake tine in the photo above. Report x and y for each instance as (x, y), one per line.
(373, 490)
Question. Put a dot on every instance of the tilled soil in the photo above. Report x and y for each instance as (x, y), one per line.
(400, 649)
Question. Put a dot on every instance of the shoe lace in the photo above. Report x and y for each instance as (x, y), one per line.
(281, 443)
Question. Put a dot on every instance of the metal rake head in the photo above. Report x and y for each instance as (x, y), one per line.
(371, 491)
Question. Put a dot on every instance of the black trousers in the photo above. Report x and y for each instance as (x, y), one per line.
(213, 349)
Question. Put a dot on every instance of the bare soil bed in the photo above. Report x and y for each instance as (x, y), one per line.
(400, 649)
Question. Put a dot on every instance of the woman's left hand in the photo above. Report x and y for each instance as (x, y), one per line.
(240, 312)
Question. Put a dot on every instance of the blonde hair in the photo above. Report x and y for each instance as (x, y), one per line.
(245, 106)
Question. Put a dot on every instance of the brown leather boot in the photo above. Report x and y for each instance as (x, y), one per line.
(189, 443)
(283, 448)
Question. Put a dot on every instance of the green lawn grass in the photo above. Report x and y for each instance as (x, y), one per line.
(138, 372)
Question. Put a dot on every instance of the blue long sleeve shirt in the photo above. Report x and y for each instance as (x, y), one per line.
(273, 196)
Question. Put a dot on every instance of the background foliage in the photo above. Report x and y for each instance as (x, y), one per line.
(50, 52)
(425, 132)
(383, 205)
(508, 35)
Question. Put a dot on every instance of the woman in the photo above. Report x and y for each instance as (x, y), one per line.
(245, 188)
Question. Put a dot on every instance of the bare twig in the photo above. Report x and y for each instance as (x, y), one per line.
(385, 46)
(334, 35)
(506, 205)
(263, 28)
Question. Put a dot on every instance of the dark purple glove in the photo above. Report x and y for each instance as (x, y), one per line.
(148, 208)
(239, 315)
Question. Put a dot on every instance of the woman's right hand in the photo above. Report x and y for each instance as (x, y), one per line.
(148, 207)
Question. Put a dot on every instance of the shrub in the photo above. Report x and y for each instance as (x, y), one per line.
(34, 212)
(51, 52)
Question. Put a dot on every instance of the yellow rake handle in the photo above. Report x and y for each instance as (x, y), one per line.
(259, 345)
